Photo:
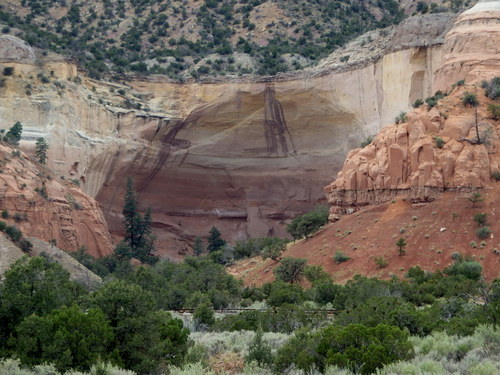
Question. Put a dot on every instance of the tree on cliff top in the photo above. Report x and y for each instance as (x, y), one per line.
(138, 233)
(13, 136)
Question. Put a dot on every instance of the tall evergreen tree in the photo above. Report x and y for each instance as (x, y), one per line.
(138, 233)
(130, 215)
(41, 148)
(198, 246)
(215, 241)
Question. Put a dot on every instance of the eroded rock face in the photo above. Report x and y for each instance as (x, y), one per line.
(48, 209)
(242, 156)
(405, 159)
(410, 159)
(15, 49)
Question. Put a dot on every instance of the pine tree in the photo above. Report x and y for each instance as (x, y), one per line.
(401, 244)
(13, 136)
(215, 241)
(138, 233)
(130, 215)
(41, 148)
(198, 246)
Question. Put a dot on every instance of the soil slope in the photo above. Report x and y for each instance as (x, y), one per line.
(432, 231)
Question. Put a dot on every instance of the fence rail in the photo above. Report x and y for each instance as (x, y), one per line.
(237, 311)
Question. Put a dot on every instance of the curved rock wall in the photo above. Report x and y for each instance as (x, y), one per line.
(242, 156)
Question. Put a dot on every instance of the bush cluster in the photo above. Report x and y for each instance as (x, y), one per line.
(305, 225)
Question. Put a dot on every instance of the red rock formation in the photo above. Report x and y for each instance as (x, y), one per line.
(67, 215)
(405, 158)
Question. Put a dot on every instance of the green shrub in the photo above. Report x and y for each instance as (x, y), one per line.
(268, 247)
(283, 293)
(467, 268)
(307, 224)
(300, 351)
(215, 241)
(418, 103)
(355, 344)
(367, 141)
(25, 245)
(273, 248)
(496, 175)
(381, 262)
(470, 99)
(340, 257)
(203, 315)
(480, 218)
(401, 118)
(494, 111)
(5, 214)
(439, 142)
(431, 102)
(42, 191)
(483, 232)
(492, 88)
(83, 337)
(314, 273)
(13, 136)
(8, 71)
(14, 233)
(260, 351)
(401, 244)
(476, 197)
(3, 226)
(355, 347)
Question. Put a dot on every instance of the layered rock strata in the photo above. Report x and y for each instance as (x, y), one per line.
(242, 156)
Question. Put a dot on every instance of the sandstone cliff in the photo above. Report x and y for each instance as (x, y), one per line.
(47, 208)
(433, 151)
(239, 155)
(405, 158)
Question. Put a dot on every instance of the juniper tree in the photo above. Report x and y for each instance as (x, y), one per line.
(13, 136)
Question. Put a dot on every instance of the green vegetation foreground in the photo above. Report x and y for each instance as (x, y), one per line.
(46, 318)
